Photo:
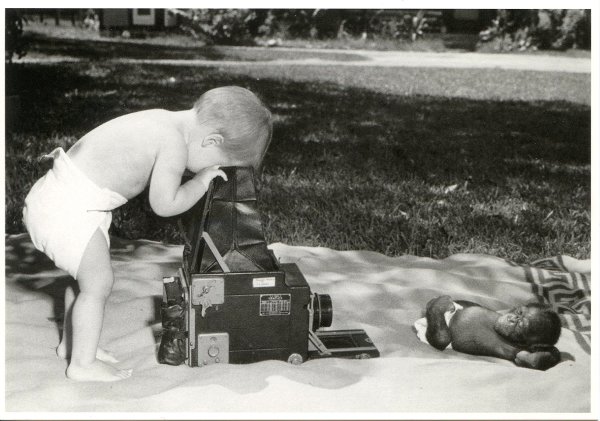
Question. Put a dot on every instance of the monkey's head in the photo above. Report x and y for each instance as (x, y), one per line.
(529, 324)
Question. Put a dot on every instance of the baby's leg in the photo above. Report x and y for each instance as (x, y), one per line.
(63, 350)
(64, 347)
(95, 280)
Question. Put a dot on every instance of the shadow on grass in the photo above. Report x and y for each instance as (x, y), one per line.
(98, 50)
(349, 168)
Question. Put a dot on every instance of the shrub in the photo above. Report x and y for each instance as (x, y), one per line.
(15, 43)
(286, 23)
(557, 29)
(222, 26)
(338, 23)
(242, 26)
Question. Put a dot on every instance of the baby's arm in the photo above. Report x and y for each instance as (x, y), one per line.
(168, 197)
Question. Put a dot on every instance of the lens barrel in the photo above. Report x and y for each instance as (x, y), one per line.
(322, 311)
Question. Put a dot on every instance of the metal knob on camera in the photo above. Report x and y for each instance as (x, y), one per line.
(295, 359)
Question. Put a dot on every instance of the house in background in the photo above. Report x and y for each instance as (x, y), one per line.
(453, 20)
(137, 18)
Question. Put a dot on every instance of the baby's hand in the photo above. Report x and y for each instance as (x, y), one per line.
(206, 175)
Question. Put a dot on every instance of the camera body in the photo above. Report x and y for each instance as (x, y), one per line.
(233, 302)
(243, 317)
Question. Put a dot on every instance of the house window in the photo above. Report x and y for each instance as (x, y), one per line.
(143, 17)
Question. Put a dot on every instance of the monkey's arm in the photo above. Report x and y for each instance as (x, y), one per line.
(438, 333)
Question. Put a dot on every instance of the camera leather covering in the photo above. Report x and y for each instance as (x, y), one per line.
(229, 214)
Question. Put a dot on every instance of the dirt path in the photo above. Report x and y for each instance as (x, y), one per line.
(479, 60)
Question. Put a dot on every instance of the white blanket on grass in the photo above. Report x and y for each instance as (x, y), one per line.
(370, 291)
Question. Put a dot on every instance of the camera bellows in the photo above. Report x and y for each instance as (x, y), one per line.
(229, 215)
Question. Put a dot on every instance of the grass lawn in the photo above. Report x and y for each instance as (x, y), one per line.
(110, 48)
(422, 161)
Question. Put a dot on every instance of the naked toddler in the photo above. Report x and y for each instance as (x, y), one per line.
(68, 211)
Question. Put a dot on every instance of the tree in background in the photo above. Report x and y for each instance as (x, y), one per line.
(522, 29)
(13, 32)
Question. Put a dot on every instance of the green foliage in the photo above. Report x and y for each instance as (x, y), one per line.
(16, 45)
(512, 29)
(284, 23)
(223, 26)
(241, 26)
(557, 29)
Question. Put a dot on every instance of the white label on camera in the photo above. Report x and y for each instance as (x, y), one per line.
(275, 304)
(263, 282)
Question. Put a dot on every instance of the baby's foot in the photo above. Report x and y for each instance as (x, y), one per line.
(97, 371)
(101, 354)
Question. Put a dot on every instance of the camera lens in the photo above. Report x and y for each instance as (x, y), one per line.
(323, 311)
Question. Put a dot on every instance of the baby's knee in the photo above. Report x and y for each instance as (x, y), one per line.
(98, 284)
(96, 295)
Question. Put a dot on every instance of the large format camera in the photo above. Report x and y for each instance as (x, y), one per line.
(233, 302)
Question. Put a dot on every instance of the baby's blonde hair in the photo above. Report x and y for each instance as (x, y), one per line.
(241, 118)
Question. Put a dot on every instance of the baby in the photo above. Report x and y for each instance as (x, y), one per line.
(526, 335)
(68, 211)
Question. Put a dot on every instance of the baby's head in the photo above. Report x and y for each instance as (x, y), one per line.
(530, 324)
(241, 119)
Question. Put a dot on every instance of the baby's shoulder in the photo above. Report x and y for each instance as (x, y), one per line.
(157, 123)
(155, 118)
(145, 123)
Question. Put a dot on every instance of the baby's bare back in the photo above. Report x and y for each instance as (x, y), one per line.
(120, 154)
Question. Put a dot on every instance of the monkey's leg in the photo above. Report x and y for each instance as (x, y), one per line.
(543, 359)
(438, 333)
